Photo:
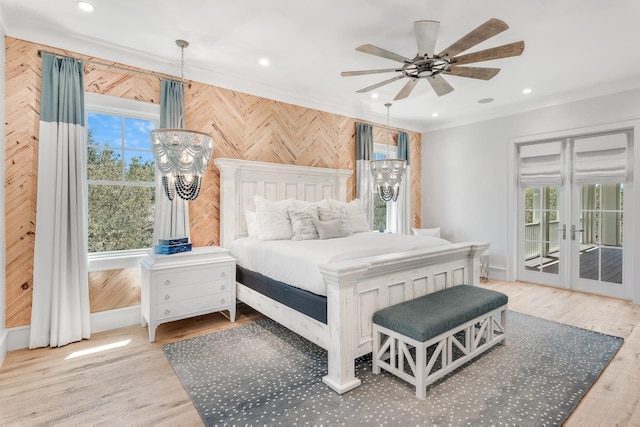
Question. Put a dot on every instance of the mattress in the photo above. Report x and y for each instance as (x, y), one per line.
(314, 306)
(297, 263)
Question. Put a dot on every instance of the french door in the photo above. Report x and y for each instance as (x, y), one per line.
(572, 202)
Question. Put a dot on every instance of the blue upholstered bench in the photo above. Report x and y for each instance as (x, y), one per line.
(423, 339)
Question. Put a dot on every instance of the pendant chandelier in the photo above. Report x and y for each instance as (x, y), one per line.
(181, 155)
(387, 172)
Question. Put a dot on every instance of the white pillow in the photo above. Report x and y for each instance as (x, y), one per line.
(273, 219)
(327, 214)
(320, 204)
(330, 229)
(252, 224)
(357, 219)
(303, 222)
(433, 232)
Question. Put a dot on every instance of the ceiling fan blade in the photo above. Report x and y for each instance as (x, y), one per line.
(360, 73)
(473, 72)
(440, 85)
(406, 90)
(373, 50)
(504, 51)
(485, 31)
(426, 36)
(377, 85)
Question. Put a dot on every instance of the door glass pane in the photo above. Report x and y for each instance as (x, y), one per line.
(600, 232)
(542, 230)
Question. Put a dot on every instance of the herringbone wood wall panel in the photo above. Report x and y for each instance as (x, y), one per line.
(243, 126)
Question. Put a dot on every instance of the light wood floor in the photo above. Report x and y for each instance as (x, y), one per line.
(134, 383)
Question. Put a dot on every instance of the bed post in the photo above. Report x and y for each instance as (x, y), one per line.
(477, 249)
(342, 324)
(228, 203)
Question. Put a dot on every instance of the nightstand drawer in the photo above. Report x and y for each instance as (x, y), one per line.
(190, 276)
(192, 305)
(178, 293)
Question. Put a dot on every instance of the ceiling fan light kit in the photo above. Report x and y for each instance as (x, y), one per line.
(432, 67)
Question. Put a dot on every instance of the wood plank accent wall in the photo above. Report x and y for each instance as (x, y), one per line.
(243, 126)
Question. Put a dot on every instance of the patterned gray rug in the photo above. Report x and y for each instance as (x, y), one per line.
(262, 373)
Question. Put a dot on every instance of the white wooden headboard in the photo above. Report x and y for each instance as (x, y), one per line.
(240, 180)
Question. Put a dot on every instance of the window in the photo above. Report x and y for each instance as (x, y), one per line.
(120, 180)
(380, 208)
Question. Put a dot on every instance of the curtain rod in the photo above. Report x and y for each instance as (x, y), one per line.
(91, 61)
(383, 127)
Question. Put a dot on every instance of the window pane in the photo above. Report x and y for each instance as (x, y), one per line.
(136, 133)
(104, 164)
(105, 130)
(140, 166)
(379, 213)
(120, 217)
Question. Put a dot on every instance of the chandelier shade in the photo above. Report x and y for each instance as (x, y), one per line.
(181, 157)
(388, 173)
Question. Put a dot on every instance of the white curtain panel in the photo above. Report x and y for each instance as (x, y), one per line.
(60, 312)
(171, 216)
(364, 179)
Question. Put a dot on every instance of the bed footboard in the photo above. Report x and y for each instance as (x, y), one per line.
(356, 289)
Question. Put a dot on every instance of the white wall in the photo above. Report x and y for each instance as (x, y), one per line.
(465, 169)
(3, 332)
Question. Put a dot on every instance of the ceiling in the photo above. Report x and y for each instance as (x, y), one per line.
(574, 49)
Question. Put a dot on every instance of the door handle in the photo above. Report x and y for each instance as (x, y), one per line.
(573, 232)
(564, 231)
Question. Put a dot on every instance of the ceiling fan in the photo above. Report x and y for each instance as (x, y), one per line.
(427, 65)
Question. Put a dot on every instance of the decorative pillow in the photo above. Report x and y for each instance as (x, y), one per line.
(303, 222)
(330, 229)
(357, 219)
(328, 214)
(433, 232)
(252, 224)
(273, 219)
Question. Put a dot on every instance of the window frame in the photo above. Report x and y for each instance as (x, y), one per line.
(96, 103)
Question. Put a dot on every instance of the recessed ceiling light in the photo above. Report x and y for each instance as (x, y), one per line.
(526, 91)
(374, 95)
(264, 62)
(434, 115)
(85, 6)
(485, 100)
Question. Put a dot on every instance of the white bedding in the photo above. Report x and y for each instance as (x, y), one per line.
(297, 262)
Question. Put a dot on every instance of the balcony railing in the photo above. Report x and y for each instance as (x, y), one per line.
(536, 244)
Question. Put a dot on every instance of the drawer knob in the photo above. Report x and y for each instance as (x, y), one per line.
(222, 301)
(223, 273)
(222, 288)
(167, 282)
(167, 311)
(167, 297)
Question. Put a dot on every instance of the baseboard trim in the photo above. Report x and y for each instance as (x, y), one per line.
(18, 338)
(497, 273)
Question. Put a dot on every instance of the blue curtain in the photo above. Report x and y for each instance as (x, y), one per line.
(60, 311)
(171, 219)
(403, 147)
(364, 180)
(172, 104)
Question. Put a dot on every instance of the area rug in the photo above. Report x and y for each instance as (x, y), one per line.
(264, 374)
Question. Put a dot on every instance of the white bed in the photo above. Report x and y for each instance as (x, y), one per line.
(355, 288)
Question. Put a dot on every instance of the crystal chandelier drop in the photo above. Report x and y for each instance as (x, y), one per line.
(387, 172)
(181, 155)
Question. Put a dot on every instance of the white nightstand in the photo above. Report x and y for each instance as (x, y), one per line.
(187, 284)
